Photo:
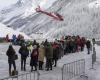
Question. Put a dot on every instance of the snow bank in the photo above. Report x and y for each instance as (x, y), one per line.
(5, 30)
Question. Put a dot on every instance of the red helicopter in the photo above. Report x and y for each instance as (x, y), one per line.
(54, 15)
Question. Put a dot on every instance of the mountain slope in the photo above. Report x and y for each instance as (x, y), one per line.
(8, 31)
(79, 19)
(6, 3)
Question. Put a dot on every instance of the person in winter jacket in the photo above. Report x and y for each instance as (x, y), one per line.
(34, 58)
(35, 43)
(30, 48)
(55, 53)
(83, 41)
(14, 38)
(7, 38)
(41, 56)
(88, 45)
(24, 54)
(49, 55)
(67, 49)
(78, 41)
(11, 58)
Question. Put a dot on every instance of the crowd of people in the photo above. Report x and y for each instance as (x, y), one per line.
(16, 40)
(51, 51)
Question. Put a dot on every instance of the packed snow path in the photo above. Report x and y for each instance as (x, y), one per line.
(55, 74)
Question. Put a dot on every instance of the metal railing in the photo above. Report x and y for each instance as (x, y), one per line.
(26, 76)
(69, 71)
(73, 69)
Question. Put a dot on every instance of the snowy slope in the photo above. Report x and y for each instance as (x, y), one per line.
(95, 4)
(21, 9)
(81, 17)
(6, 3)
(5, 30)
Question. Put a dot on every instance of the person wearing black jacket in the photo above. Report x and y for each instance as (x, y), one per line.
(88, 45)
(11, 53)
(24, 54)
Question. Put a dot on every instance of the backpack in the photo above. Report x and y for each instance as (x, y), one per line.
(15, 57)
(14, 73)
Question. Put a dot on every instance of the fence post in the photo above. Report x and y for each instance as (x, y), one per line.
(84, 67)
(93, 57)
(38, 78)
(62, 72)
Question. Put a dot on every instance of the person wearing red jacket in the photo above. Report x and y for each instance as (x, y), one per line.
(78, 42)
(34, 58)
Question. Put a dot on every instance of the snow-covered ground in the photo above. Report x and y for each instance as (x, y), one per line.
(55, 74)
